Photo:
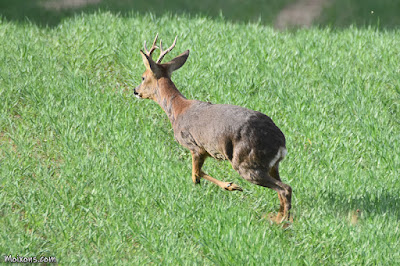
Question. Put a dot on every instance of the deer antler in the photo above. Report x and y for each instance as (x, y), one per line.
(153, 47)
(164, 52)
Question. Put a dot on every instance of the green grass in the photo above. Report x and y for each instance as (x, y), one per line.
(342, 13)
(234, 10)
(88, 173)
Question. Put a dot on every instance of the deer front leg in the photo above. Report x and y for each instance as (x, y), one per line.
(225, 185)
(197, 163)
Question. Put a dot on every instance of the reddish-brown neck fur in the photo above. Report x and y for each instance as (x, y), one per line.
(171, 99)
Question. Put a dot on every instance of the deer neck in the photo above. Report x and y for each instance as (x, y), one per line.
(170, 99)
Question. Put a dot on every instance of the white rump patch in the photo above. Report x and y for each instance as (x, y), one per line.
(279, 156)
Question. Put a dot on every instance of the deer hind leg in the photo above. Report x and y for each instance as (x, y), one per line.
(274, 172)
(197, 173)
(263, 177)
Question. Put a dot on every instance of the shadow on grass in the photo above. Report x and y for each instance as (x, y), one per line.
(384, 203)
(233, 10)
(381, 14)
(341, 13)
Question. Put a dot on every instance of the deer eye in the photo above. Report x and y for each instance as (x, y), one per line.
(142, 78)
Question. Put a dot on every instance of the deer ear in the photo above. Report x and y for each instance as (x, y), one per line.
(149, 63)
(177, 62)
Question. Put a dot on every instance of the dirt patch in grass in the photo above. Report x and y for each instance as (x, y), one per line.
(67, 4)
(300, 14)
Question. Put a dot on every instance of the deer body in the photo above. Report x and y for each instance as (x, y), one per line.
(250, 140)
(229, 132)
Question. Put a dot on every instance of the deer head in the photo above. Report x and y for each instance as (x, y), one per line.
(155, 70)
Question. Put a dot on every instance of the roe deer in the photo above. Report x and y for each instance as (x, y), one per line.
(250, 140)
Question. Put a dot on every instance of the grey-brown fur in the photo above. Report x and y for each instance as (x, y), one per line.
(248, 139)
(230, 132)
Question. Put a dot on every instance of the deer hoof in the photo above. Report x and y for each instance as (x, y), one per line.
(279, 219)
(231, 187)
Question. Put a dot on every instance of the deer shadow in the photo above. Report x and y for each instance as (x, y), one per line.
(384, 203)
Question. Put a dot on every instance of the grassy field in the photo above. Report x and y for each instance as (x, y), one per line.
(90, 174)
(263, 11)
(340, 13)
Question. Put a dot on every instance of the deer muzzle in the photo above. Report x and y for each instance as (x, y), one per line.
(136, 93)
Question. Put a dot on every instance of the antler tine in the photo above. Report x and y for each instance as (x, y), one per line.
(153, 47)
(163, 53)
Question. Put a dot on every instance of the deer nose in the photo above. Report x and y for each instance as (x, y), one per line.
(136, 93)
